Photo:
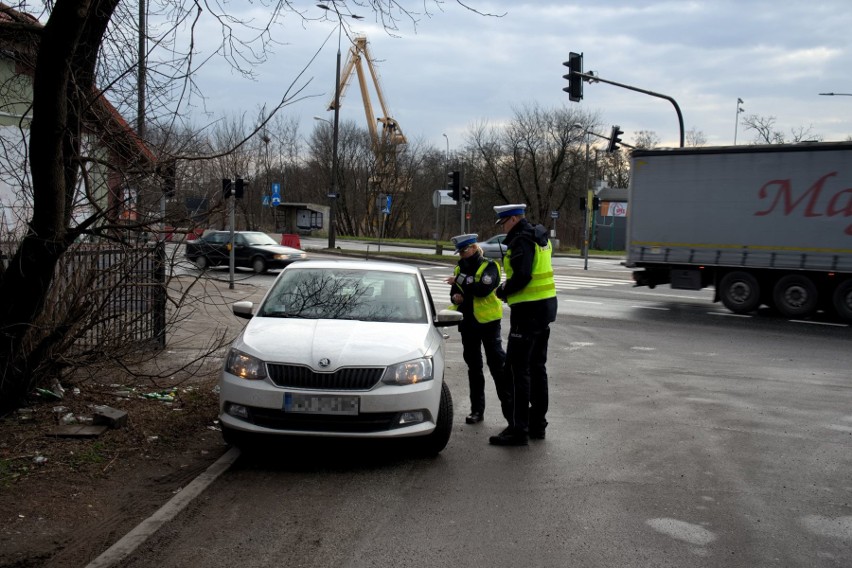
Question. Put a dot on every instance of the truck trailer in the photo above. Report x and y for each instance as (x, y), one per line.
(764, 225)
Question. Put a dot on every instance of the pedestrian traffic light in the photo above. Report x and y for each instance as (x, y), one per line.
(575, 81)
(239, 188)
(596, 203)
(227, 188)
(168, 171)
(614, 139)
(454, 184)
(466, 193)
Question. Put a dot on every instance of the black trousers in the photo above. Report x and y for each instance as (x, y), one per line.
(477, 337)
(523, 386)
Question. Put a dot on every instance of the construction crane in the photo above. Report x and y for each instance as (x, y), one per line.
(384, 143)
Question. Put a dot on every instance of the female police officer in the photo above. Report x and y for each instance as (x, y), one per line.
(473, 283)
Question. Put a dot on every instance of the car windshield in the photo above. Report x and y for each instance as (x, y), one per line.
(333, 293)
(258, 239)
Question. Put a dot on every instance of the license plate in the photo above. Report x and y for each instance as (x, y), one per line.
(321, 404)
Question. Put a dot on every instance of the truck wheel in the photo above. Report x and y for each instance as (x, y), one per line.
(795, 296)
(202, 263)
(740, 292)
(258, 265)
(843, 300)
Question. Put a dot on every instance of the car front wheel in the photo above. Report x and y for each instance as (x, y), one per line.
(202, 263)
(258, 265)
(432, 444)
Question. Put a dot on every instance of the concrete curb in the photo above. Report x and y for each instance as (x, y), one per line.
(131, 541)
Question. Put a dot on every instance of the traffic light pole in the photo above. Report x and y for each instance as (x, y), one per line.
(586, 212)
(591, 77)
(232, 202)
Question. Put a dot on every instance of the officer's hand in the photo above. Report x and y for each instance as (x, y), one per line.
(449, 279)
(500, 291)
(457, 299)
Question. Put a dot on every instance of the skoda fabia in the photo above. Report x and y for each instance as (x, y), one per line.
(341, 349)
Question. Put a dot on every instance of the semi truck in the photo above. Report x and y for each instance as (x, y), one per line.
(764, 225)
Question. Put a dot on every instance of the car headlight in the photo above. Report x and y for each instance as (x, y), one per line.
(409, 373)
(245, 366)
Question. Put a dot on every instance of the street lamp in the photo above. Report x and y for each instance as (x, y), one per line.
(333, 194)
(737, 118)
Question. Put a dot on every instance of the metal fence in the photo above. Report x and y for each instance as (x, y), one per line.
(112, 297)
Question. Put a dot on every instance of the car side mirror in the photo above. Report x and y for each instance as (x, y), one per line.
(243, 309)
(448, 318)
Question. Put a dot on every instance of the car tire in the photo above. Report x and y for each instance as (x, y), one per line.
(258, 264)
(202, 263)
(432, 444)
(237, 439)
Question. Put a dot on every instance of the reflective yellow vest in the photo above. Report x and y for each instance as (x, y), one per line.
(542, 285)
(485, 308)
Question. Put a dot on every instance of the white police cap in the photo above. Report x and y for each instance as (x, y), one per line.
(505, 211)
(461, 241)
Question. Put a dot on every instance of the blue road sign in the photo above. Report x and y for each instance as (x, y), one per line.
(276, 193)
(387, 208)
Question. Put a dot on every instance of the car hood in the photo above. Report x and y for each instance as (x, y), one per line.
(345, 343)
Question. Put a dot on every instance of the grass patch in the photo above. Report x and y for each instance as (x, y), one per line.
(90, 455)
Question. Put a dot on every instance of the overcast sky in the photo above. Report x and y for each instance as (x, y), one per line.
(457, 69)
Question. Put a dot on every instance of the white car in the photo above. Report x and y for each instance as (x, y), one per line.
(340, 348)
(494, 247)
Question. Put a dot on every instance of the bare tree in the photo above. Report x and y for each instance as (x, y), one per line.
(765, 131)
(695, 137)
(538, 158)
(646, 139)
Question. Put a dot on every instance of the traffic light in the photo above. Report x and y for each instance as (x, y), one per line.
(167, 171)
(454, 184)
(575, 82)
(614, 139)
(466, 193)
(582, 204)
(596, 203)
(227, 188)
(239, 188)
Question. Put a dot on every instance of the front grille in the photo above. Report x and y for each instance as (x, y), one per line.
(362, 423)
(298, 377)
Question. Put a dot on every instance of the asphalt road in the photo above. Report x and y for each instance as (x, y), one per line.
(680, 436)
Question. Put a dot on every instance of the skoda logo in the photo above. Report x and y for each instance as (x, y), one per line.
(324, 362)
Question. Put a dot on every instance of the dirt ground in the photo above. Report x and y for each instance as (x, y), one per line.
(63, 501)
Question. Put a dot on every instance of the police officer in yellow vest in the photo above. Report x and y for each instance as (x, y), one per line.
(472, 293)
(530, 291)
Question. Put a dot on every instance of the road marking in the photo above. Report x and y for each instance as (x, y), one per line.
(729, 315)
(563, 283)
(582, 302)
(821, 323)
(651, 308)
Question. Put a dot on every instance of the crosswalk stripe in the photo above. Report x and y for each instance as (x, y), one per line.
(563, 283)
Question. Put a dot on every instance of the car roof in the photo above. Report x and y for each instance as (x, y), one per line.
(356, 265)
